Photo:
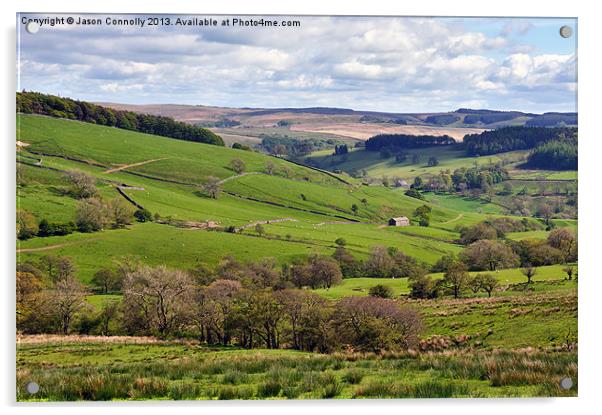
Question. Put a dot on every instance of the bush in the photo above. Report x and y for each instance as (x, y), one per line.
(143, 215)
(55, 229)
(414, 193)
(381, 291)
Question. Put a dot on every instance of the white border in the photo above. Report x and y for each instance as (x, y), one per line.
(590, 147)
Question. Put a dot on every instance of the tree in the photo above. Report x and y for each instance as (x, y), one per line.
(27, 226)
(354, 208)
(488, 255)
(212, 187)
(569, 270)
(470, 234)
(381, 291)
(237, 165)
(143, 215)
(260, 229)
(57, 267)
(487, 283)
(529, 272)
(106, 280)
(92, 215)
(350, 267)
(418, 183)
(83, 185)
(269, 167)
(121, 213)
(108, 312)
(424, 215)
(158, 298)
(307, 316)
(432, 162)
(422, 286)
(325, 271)
(374, 324)
(379, 263)
(213, 307)
(545, 212)
(456, 278)
(565, 240)
(340, 242)
(28, 286)
(66, 299)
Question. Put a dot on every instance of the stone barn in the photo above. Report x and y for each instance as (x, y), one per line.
(400, 221)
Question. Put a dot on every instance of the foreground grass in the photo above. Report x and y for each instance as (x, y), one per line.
(111, 371)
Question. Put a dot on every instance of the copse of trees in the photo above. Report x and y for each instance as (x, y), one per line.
(512, 138)
(555, 155)
(397, 141)
(54, 106)
(171, 303)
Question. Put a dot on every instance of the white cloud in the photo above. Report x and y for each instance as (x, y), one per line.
(396, 64)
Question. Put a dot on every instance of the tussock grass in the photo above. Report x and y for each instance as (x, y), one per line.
(190, 374)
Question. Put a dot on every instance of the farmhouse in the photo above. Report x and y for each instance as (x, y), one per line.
(400, 221)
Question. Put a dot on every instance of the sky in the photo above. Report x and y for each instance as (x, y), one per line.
(391, 64)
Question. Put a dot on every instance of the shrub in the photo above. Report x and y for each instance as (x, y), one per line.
(143, 215)
(381, 291)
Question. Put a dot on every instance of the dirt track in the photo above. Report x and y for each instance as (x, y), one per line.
(131, 165)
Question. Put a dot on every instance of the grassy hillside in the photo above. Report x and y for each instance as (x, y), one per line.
(307, 210)
(175, 160)
(449, 157)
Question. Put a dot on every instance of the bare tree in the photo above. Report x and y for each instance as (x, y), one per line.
(213, 306)
(569, 270)
(212, 187)
(565, 240)
(237, 165)
(83, 185)
(66, 299)
(160, 296)
(374, 324)
(92, 215)
(529, 272)
(269, 167)
(121, 212)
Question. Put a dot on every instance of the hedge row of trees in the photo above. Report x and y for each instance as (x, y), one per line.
(512, 138)
(406, 141)
(463, 179)
(92, 214)
(54, 106)
(170, 303)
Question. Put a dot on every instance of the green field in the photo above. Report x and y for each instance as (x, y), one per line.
(399, 286)
(449, 157)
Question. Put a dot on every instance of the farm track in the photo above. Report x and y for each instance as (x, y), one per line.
(457, 218)
(50, 247)
(127, 166)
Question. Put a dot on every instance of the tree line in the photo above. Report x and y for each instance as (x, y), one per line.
(172, 303)
(555, 155)
(406, 141)
(54, 106)
(512, 138)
